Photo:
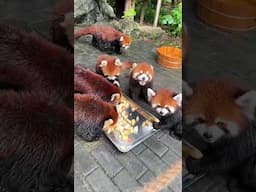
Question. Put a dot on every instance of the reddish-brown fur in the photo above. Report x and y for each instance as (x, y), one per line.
(37, 62)
(90, 114)
(88, 82)
(215, 98)
(164, 97)
(106, 33)
(135, 89)
(111, 69)
(35, 112)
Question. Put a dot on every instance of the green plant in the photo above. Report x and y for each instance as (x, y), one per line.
(173, 20)
(129, 14)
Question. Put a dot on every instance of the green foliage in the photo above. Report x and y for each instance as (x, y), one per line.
(173, 20)
(129, 14)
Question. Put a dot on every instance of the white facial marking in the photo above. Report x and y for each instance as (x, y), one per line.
(134, 65)
(162, 111)
(211, 133)
(121, 38)
(178, 99)
(248, 103)
(232, 127)
(154, 105)
(142, 79)
(172, 109)
(118, 62)
(103, 63)
(111, 77)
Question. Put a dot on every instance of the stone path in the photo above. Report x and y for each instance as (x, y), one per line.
(99, 166)
(216, 53)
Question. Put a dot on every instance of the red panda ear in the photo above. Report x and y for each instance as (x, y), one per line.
(118, 62)
(186, 89)
(103, 63)
(134, 65)
(150, 93)
(248, 103)
(121, 38)
(178, 99)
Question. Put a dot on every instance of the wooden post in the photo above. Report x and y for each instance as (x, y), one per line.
(158, 7)
(142, 14)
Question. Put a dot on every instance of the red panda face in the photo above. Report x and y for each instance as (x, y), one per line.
(163, 101)
(214, 112)
(142, 73)
(125, 41)
(111, 67)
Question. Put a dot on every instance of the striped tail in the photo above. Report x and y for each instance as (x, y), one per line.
(82, 32)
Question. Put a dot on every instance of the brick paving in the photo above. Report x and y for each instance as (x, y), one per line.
(111, 170)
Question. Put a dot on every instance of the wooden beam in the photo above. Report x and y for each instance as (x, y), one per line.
(158, 7)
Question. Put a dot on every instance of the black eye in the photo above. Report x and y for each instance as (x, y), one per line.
(223, 126)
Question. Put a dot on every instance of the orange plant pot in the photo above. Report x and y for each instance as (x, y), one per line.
(169, 57)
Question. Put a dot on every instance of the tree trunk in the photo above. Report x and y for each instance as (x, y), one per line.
(120, 7)
(129, 4)
(158, 7)
(142, 15)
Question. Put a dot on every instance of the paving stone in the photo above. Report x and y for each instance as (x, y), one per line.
(138, 149)
(109, 163)
(172, 144)
(125, 182)
(132, 164)
(170, 157)
(152, 161)
(176, 185)
(100, 182)
(147, 177)
(80, 185)
(156, 146)
(84, 163)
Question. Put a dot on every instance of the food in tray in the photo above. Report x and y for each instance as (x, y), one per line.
(131, 119)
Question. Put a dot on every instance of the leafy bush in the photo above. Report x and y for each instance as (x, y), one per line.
(173, 20)
(129, 14)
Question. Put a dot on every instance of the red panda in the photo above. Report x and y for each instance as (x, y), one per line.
(141, 78)
(168, 105)
(36, 115)
(106, 36)
(49, 64)
(88, 82)
(223, 114)
(213, 109)
(62, 26)
(111, 67)
(92, 115)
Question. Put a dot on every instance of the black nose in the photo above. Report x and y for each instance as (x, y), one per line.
(207, 135)
(143, 78)
(161, 113)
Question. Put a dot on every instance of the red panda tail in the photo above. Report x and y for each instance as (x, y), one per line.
(82, 32)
